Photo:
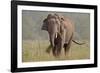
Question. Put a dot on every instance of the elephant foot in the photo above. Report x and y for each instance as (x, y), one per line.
(56, 55)
(56, 52)
(66, 48)
(67, 52)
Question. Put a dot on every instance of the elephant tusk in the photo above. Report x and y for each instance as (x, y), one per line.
(56, 35)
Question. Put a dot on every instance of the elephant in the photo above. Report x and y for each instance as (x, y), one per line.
(61, 31)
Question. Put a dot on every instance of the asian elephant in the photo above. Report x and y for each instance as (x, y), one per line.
(61, 31)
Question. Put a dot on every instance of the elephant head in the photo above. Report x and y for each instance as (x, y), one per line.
(52, 25)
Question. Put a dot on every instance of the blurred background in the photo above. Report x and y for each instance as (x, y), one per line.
(32, 22)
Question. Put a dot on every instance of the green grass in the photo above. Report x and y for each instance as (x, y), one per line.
(36, 51)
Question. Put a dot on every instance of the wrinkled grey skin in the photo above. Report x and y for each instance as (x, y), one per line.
(60, 31)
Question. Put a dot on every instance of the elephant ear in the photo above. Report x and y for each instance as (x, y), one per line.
(44, 26)
(45, 22)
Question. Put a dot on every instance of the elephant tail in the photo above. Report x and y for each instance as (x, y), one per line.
(78, 42)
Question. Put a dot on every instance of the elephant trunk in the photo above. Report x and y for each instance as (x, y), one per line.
(52, 37)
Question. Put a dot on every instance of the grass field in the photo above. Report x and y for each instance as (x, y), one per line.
(33, 51)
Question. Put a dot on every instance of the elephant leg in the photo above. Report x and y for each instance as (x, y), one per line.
(59, 49)
(67, 47)
(59, 45)
(61, 42)
(55, 49)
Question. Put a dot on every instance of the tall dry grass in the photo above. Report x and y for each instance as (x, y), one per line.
(33, 51)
